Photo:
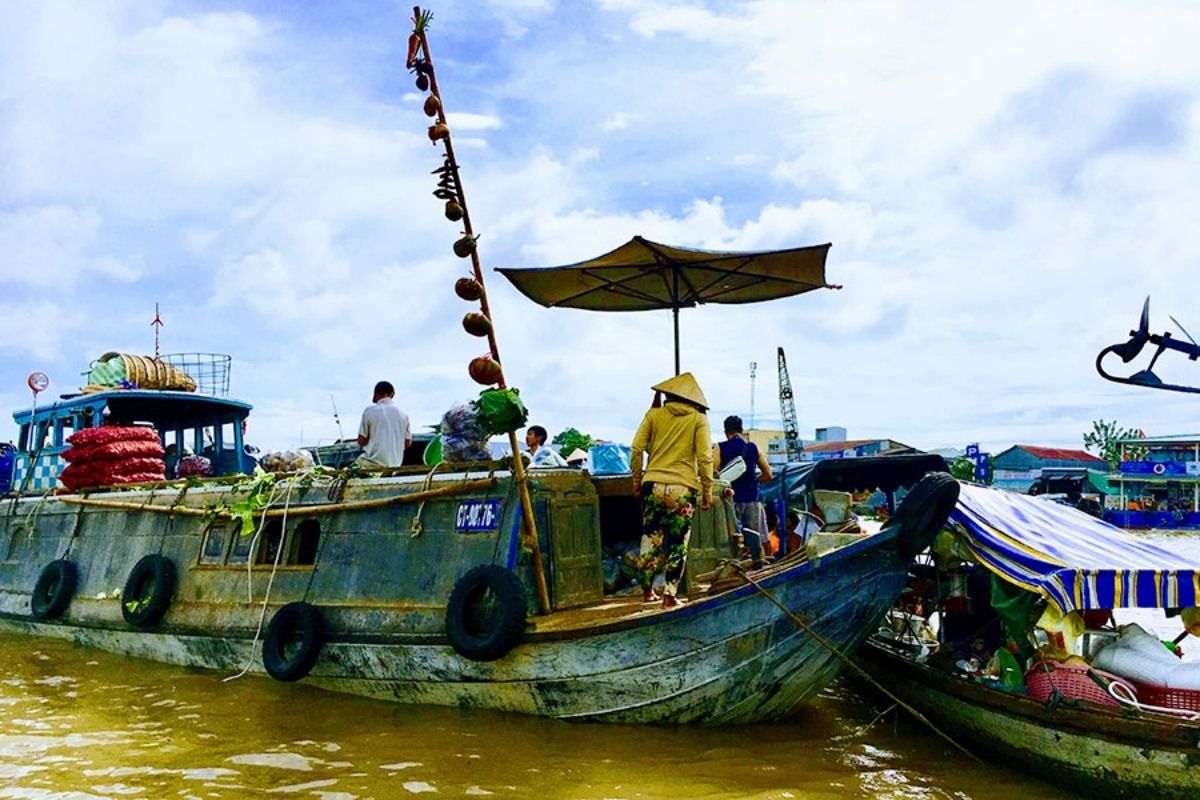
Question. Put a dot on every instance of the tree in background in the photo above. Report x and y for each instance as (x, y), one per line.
(962, 468)
(1104, 440)
(570, 440)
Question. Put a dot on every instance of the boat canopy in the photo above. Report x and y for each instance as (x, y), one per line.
(1075, 561)
(885, 473)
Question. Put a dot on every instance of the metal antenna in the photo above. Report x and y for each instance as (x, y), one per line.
(157, 325)
(336, 418)
(1185, 333)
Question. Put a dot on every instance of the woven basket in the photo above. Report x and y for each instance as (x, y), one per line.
(1187, 699)
(1071, 681)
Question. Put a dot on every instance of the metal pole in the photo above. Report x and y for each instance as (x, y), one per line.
(675, 313)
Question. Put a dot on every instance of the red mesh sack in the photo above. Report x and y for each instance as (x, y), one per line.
(112, 433)
(141, 477)
(86, 454)
(130, 466)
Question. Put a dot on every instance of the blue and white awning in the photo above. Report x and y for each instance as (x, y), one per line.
(1075, 561)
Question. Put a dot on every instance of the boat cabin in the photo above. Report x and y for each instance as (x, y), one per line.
(208, 426)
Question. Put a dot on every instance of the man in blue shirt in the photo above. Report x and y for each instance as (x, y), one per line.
(751, 518)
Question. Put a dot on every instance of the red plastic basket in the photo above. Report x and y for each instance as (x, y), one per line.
(1161, 696)
(1071, 681)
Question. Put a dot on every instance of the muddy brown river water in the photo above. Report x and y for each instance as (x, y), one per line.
(78, 724)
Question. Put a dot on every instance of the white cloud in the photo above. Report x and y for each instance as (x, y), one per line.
(1000, 198)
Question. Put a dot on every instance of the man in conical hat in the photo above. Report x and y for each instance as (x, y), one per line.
(676, 477)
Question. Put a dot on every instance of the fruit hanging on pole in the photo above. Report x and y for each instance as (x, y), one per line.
(485, 370)
(468, 289)
(477, 324)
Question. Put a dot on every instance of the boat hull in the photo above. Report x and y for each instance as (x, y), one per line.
(1109, 752)
(731, 658)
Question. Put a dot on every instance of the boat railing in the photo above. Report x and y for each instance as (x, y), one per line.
(210, 371)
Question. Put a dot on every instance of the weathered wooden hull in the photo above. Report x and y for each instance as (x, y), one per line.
(732, 657)
(1106, 752)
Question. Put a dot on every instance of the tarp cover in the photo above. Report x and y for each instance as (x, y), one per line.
(886, 473)
(1075, 561)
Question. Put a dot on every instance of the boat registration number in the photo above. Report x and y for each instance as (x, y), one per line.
(477, 515)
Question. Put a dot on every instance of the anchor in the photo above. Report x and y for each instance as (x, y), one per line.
(1138, 339)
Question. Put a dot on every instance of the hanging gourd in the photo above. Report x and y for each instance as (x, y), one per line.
(485, 370)
(432, 105)
(468, 289)
(477, 324)
(465, 246)
(454, 212)
(438, 132)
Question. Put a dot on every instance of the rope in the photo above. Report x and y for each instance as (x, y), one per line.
(262, 615)
(418, 526)
(831, 647)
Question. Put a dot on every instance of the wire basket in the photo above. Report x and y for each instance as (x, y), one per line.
(1044, 677)
(210, 371)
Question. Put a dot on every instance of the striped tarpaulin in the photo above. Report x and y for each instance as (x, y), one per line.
(1073, 560)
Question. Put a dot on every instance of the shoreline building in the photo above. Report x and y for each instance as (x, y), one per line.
(1018, 467)
(1158, 483)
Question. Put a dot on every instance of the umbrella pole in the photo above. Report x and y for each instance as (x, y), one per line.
(519, 474)
(675, 313)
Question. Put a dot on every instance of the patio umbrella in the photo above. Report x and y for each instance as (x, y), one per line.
(642, 275)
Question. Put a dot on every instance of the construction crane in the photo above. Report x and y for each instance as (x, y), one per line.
(787, 410)
(753, 370)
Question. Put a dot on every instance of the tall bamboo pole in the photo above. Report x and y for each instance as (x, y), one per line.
(519, 474)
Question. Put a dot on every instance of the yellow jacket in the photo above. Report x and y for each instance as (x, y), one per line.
(676, 438)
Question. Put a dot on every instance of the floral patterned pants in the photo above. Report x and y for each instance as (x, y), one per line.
(667, 511)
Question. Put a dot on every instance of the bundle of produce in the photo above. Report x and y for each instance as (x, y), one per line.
(193, 466)
(286, 461)
(463, 437)
(111, 455)
(144, 372)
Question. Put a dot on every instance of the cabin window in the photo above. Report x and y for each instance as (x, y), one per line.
(23, 439)
(63, 429)
(215, 540)
(305, 540)
(240, 552)
(272, 539)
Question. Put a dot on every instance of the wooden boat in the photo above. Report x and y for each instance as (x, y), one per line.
(1094, 732)
(1097, 750)
(356, 575)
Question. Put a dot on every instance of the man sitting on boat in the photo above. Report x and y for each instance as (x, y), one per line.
(674, 437)
(384, 432)
(540, 454)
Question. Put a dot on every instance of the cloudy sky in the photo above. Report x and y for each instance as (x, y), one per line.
(1003, 185)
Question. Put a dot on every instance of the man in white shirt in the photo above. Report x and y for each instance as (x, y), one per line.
(541, 454)
(384, 432)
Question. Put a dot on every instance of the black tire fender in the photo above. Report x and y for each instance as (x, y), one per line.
(54, 589)
(485, 617)
(293, 642)
(148, 591)
(924, 512)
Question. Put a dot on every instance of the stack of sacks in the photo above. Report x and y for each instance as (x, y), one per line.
(110, 455)
(1140, 656)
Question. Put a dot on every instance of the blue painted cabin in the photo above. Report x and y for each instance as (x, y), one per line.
(208, 426)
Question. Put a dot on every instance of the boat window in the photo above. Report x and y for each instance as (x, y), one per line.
(240, 552)
(272, 538)
(41, 440)
(215, 539)
(63, 428)
(305, 539)
(23, 439)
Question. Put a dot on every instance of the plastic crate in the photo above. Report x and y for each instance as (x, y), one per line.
(1071, 681)
(1164, 697)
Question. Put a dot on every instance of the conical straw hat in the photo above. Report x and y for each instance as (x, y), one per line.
(577, 454)
(685, 387)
